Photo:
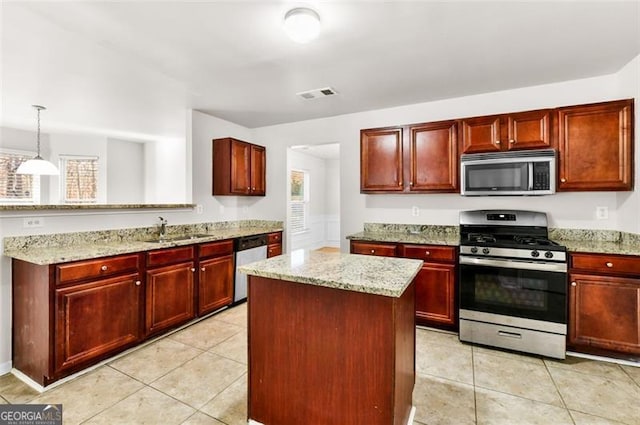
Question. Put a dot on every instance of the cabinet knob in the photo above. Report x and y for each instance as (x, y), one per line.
(104, 268)
(193, 269)
(512, 141)
(202, 269)
(373, 251)
(563, 180)
(410, 183)
(400, 184)
(427, 253)
(138, 283)
(609, 265)
(248, 188)
(497, 142)
(573, 284)
(253, 188)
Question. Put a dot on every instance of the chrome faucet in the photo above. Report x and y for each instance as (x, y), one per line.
(163, 228)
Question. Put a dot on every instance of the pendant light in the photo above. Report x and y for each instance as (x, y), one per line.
(302, 24)
(37, 165)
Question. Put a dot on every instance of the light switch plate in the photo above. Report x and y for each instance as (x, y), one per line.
(415, 211)
(602, 213)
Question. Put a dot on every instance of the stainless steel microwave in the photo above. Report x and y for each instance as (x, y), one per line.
(531, 172)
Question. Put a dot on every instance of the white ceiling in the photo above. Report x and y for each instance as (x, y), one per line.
(232, 60)
(324, 151)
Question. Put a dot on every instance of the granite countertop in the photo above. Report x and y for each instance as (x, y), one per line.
(61, 248)
(361, 273)
(576, 240)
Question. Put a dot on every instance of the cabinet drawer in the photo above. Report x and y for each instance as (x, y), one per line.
(606, 263)
(92, 269)
(274, 250)
(274, 238)
(364, 248)
(216, 248)
(429, 252)
(163, 257)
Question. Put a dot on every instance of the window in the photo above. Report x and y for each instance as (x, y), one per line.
(299, 201)
(17, 188)
(79, 179)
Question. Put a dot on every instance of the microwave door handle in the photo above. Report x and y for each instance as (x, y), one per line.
(530, 176)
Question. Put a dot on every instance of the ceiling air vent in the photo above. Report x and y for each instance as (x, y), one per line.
(317, 93)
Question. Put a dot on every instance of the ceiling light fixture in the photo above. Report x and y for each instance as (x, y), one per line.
(37, 165)
(302, 24)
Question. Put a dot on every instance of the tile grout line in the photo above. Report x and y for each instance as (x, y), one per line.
(555, 385)
(220, 392)
(110, 406)
(473, 377)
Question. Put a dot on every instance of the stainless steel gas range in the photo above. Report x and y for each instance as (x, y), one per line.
(513, 282)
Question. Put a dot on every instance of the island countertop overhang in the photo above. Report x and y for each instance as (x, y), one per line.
(384, 276)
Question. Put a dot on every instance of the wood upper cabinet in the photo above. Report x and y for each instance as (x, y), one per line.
(169, 289)
(596, 146)
(495, 133)
(215, 276)
(434, 157)
(381, 160)
(604, 303)
(239, 168)
(435, 284)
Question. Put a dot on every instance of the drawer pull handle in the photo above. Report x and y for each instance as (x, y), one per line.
(609, 265)
(427, 253)
(573, 284)
(138, 283)
(104, 268)
(510, 334)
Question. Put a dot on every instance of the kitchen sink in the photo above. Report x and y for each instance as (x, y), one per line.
(178, 238)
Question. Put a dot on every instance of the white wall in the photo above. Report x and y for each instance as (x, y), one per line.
(332, 212)
(125, 172)
(572, 210)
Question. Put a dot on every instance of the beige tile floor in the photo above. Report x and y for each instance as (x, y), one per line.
(198, 376)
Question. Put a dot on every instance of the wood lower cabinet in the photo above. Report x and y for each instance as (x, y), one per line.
(373, 248)
(215, 276)
(506, 132)
(169, 288)
(604, 304)
(274, 244)
(596, 146)
(69, 316)
(435, 284)
(239, 168)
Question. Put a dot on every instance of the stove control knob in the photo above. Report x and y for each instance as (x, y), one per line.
(485, 250)
(535, 254)
(474, 250)
(548, 254)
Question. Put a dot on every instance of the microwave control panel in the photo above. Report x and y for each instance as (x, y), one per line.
(541, 176)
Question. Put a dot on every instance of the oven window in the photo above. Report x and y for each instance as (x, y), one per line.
(497, 176)
(520, 293)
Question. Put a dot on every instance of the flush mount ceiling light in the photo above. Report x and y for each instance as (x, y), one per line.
(37, 165)
(302, 24)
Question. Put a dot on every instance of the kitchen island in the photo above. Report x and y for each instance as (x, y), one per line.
(331, 339)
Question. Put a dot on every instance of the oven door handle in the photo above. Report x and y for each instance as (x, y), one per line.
(515, 264)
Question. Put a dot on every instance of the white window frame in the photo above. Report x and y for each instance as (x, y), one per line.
(63, 179)
(35, 184)
(304, 202)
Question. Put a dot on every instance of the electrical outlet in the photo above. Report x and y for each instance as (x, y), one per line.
(199, 209)
(415, 211)
(602, 213)
(30, 222)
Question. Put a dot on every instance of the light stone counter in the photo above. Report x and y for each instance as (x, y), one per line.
(65, 247)
(360, 273)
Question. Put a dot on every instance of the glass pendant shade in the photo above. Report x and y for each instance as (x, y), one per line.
(302, 24)
(37, 165)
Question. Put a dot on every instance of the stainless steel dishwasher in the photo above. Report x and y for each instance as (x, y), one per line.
(248, 250)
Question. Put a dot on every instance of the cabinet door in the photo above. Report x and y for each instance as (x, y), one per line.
(481, 134)
(434, 157)
(529, 130)
(258, 167)
(435, 294)
(169, 298)
(96, 319)
(595, 146)
(215, 283)
(381, 160)
(604, 312)
(240, 167)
